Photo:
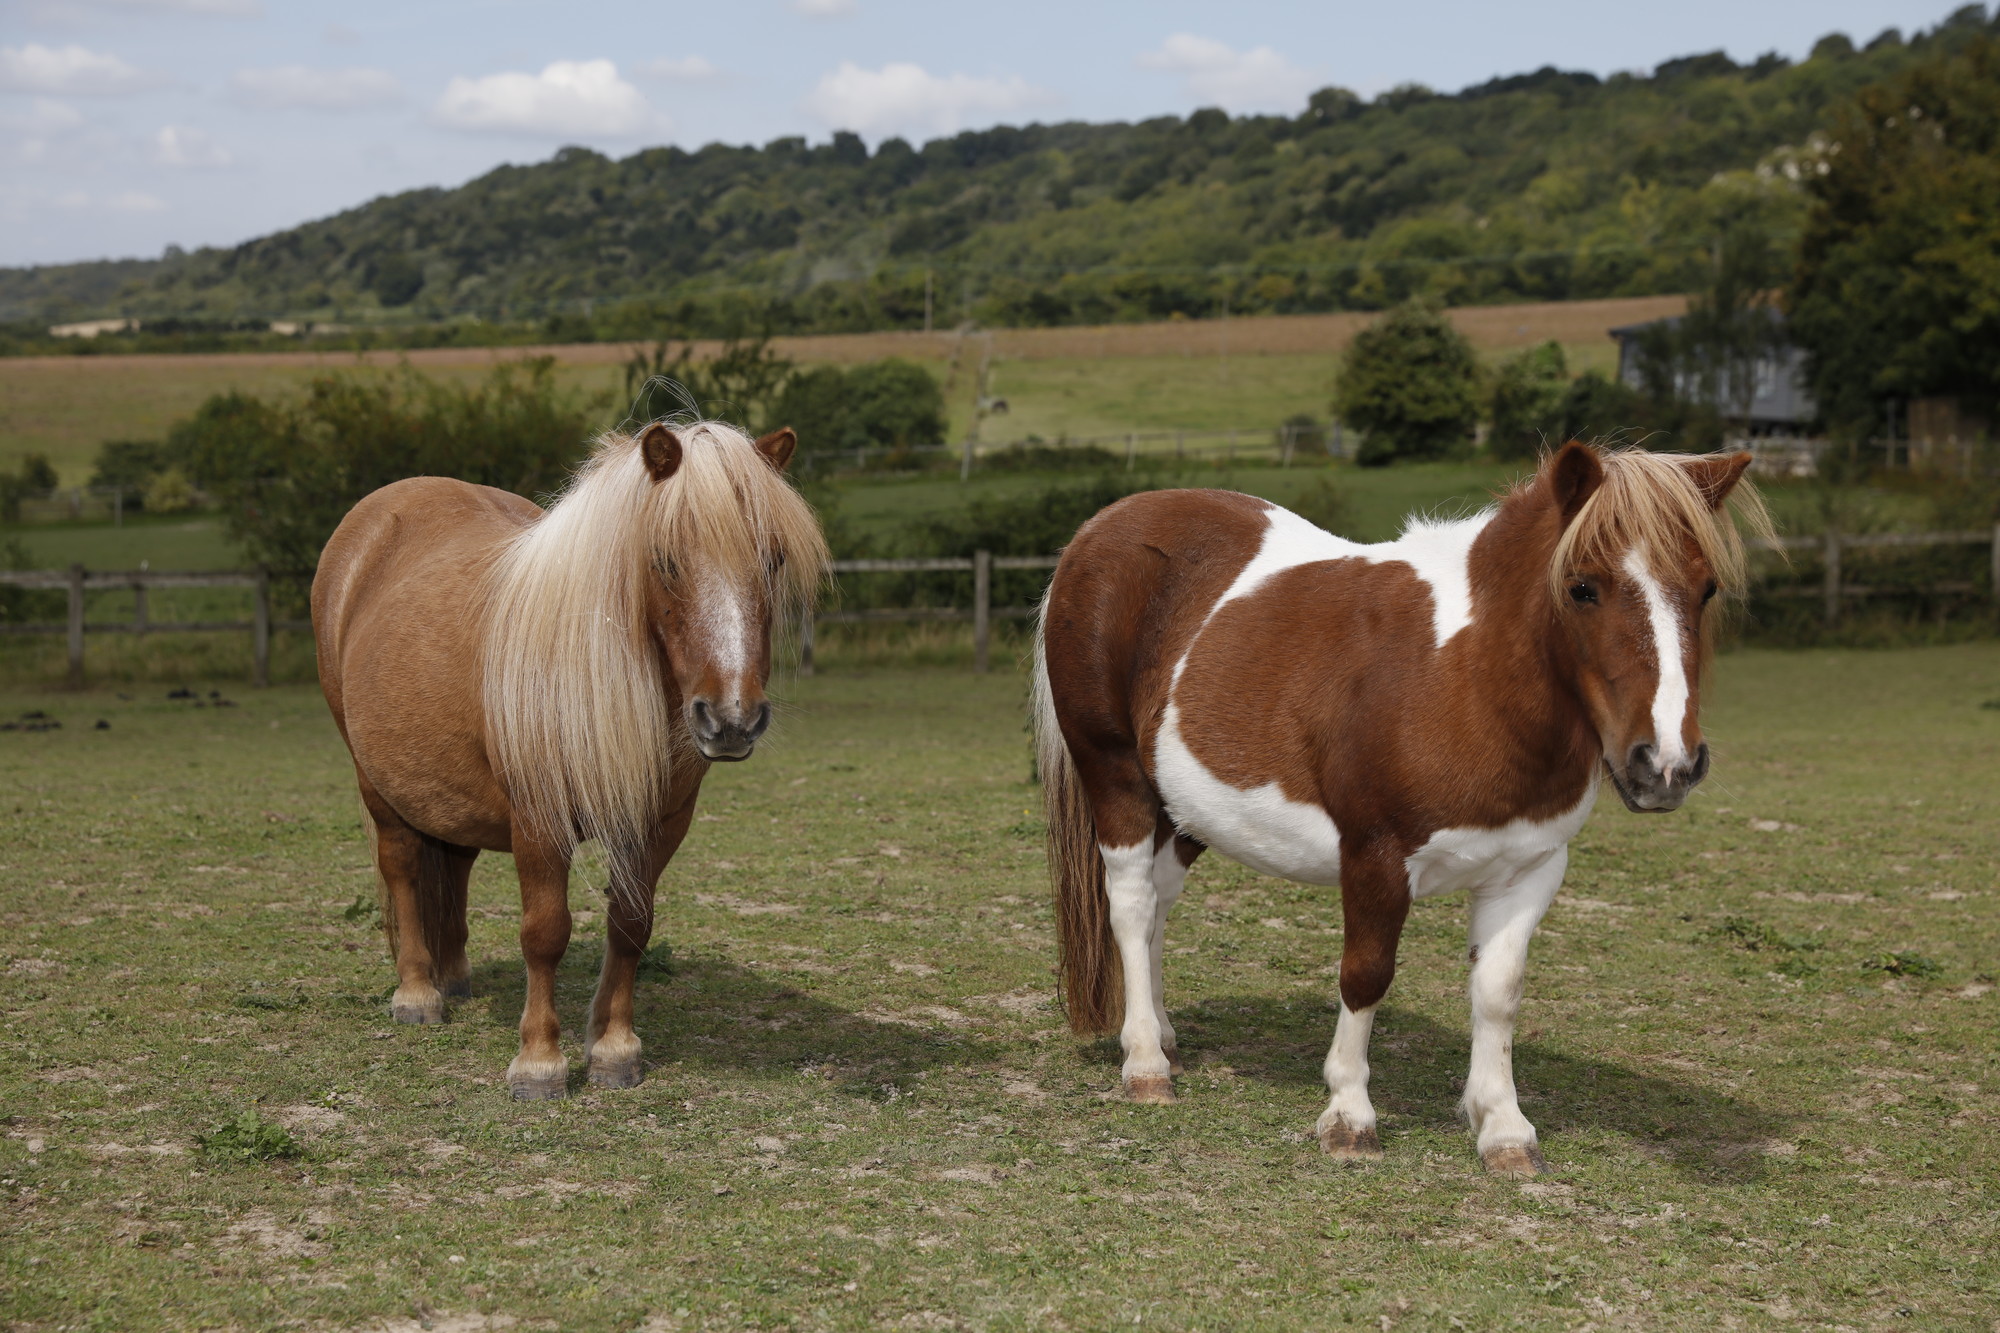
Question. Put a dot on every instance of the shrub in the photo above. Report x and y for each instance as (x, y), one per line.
(887, 404)
(1527, 403)
(1410, 384)
(169, 493)
(1038, 522)
(286, 473)
(26, 605)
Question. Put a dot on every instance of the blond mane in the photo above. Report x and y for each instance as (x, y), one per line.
(1650, 503)
(576, 698)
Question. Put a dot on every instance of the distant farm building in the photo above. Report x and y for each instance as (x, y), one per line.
(1780, 404)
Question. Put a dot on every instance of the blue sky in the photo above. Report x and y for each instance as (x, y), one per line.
(130, 125)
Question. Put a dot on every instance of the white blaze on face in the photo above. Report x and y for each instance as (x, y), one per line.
(722, 614)
(1670, 699)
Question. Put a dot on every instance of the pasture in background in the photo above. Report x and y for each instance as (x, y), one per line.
(1757, 1041)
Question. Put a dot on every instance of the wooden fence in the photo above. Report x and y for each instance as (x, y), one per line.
(76, 580)
(1833, 592)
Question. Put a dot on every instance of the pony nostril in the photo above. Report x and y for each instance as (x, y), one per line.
(1699, 769)
(1640, 760)
(703, 717)
(761, 721)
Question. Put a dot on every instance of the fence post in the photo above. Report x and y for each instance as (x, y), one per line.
(1180, 444)
(1232, 446)
(1131, 447)
(806, 642)
(1290, 438)
(965, 461)
(1831, 592)
(76, 626)
(982, 609)
(140, 611)
(260, 632)
(117, 506)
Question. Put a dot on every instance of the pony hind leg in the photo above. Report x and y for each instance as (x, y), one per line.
(445, 923)
(1502, 920)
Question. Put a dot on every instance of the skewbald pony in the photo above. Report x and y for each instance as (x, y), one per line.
(577, 711)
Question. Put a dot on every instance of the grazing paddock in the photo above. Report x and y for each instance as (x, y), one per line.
(862, 1109)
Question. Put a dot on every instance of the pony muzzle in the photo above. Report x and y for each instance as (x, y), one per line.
(725, 733)
(1650, 787)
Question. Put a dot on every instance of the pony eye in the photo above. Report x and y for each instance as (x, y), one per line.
(1708, 593)
(1583, 592)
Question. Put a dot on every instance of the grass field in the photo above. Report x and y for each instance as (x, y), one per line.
(862, 1111)
(1182, 374)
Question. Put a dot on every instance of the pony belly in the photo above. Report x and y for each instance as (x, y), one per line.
(1466, 858)
(1261, 827)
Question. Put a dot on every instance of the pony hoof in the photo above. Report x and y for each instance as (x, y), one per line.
(1150, 1090)
(1514, 1161)
(538, 1089)
(420, 1013)
(1174, 1065)
(629, 1074)
(1344, 1143)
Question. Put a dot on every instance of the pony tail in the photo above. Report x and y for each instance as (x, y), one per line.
(1091, 979)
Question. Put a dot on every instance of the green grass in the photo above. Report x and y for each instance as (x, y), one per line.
(168, 541)
(862, 1110)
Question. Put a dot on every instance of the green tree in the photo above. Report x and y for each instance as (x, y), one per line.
(1410, 384)
(285, 473)
(1527, 401)
(1897, 293)
(889, 404)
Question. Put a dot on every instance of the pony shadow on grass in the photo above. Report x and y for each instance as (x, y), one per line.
(701, 1010)
(1417, 1070)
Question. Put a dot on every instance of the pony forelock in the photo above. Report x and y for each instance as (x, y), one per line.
(576, 700)
(1649, 503)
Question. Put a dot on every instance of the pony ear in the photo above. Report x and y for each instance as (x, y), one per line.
(1574, 477)
(777, 447)
(1716, 475)
(661, 449)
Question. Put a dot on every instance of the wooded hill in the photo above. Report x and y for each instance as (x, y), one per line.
(1545, 186)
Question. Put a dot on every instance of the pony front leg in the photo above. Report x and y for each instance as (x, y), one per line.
(539, 1071)
(1503, 919)
(1135, 919)
(611, 1048)
(1375, 899)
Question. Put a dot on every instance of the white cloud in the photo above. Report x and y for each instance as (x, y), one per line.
(317, 89)
(823, 9)
(569, 97)
(72, 71)
(136, 201)
(682, 69)
(904, 98)
(183, 146)
(226, 9)
(1255, 80)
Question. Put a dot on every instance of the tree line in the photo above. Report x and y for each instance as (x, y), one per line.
(1544, 186)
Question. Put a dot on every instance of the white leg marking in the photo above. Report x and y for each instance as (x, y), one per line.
(1169, 878)
(1503, 919)
(1350, 1115)
(1128, 883)
(1670, 700)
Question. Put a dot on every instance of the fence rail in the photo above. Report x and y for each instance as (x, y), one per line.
(1834, 590)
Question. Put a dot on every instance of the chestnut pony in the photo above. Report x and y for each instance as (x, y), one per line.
(1405, 719)
(518, 681)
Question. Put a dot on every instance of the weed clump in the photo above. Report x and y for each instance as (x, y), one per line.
(249, 1138)
(1753, 936)
(1903, 963)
